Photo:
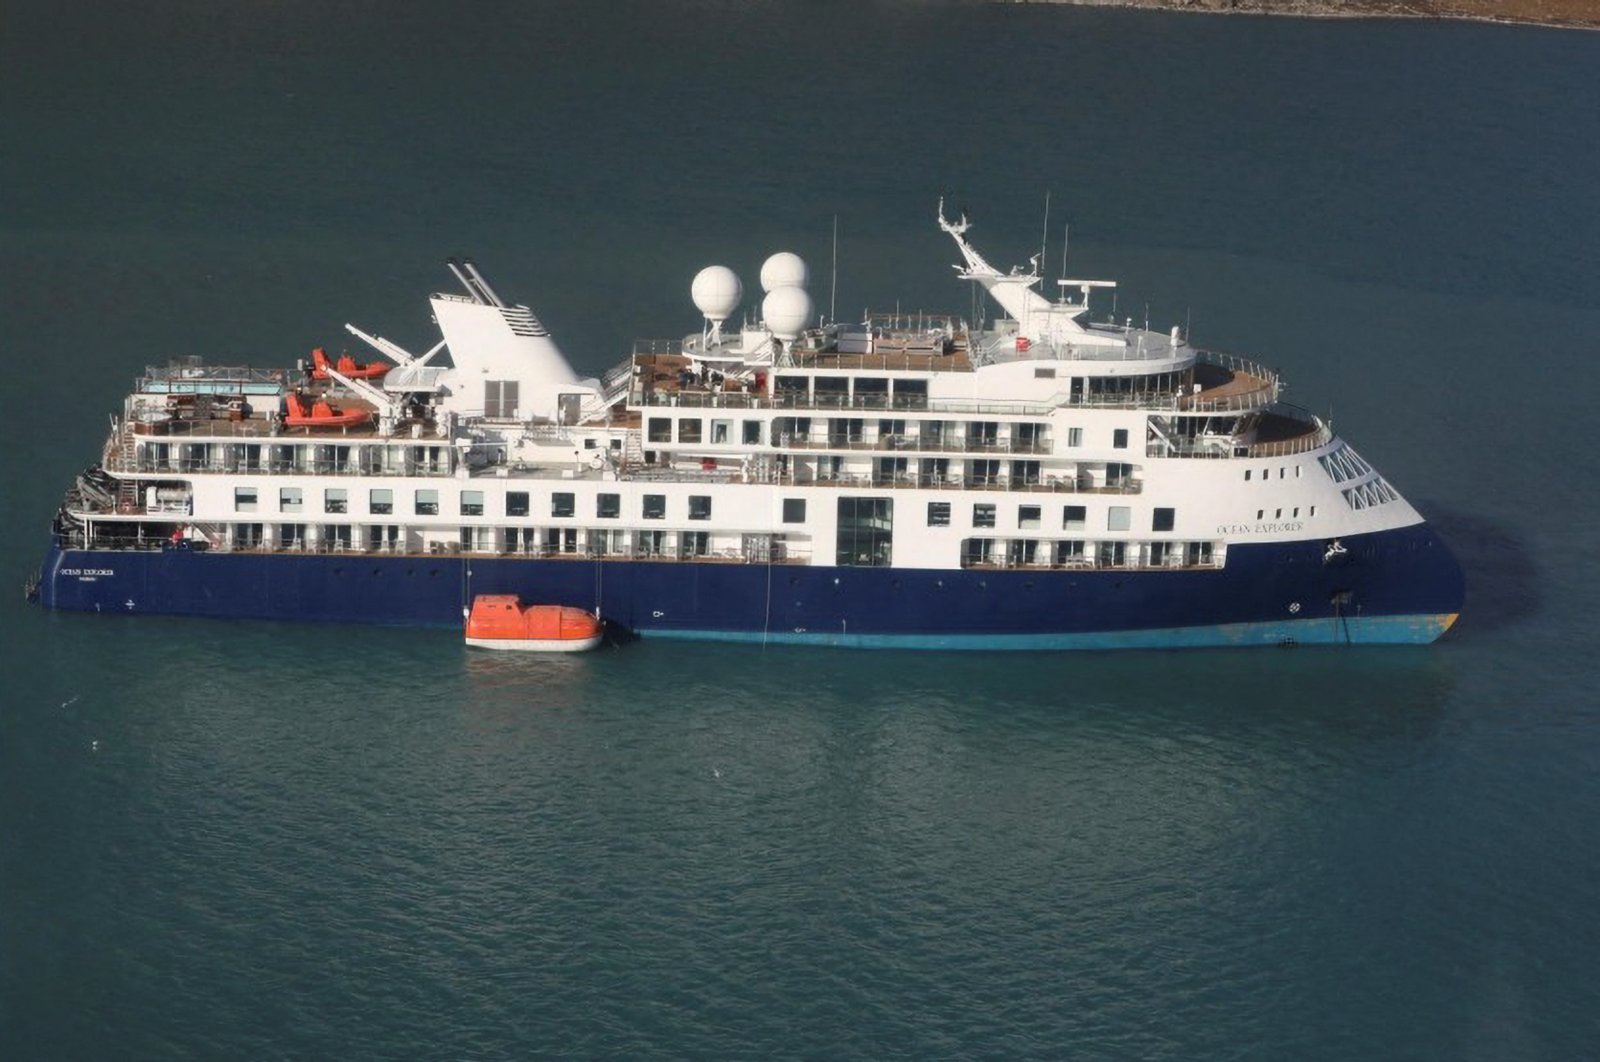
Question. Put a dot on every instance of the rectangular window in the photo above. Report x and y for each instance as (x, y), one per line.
(500, 399)
(976, 551)
(244, 499)
(660, 429)
(689, 429)
(699, 506)
(1028, 517)
(517, 503)
(655, 506)
(562, 503)
(721, 431)
(472, 503)
(427, 502)
(752, 433)
(335, 500)
(1074, 436)
(380, 501)
(794, 510)
(1044, 374)
(1119, 518)
(983, 515)
(1069, 552)
(289, 499)
(1164, 520)
(938, 514)
(1073, 517)
(608, 506)
(1119, 439)
(865, 532)
(694, 543)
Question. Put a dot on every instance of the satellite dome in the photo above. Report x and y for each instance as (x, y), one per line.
(716, 292)
(786, 310)
(784, 270)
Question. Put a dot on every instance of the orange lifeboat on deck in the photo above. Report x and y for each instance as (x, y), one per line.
(502, 621)
(347, 366)
(301, 413)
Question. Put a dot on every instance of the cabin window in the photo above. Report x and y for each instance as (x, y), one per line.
(975, 551)
(694, 543)
(500, 399)
(1163, 520)
(1044, 374)
(1020, 551)
(752, 433)
(244, 499)
(938, 514)
(1119, 439)
(472, 503)
(562, 503)
(1261, 514)
(1074, 517)
(1112, 554)
(983, 515)
(655, 506)
(608, 506)
(427, 502)
(1028, 517)
(660, 429)
(699, 506)
(517, 503)
(335, 500)
(650, 543)
(1069, 551)
(1198, 553)
(721, 431)
(794, 510)
(380, 501)
(689, 429)
(866, 532)
(289, 499)
(1074, 436)
(1119, 518)
(1247, 475)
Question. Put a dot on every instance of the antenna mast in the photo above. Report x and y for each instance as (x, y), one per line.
(833, 288)
(1044, 236)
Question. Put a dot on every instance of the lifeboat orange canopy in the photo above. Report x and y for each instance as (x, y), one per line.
(348, 367)
(321, 414)
(502, 621)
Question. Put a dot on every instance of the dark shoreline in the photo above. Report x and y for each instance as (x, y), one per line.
(1572, 15)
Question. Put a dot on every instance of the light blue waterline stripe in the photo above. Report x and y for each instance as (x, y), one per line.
(1365, 630)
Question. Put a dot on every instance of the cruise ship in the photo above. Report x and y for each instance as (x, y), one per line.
(1050, 478)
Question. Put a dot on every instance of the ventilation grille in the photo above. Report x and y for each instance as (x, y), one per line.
(522, 321)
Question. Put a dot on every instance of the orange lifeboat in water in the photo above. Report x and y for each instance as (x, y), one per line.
(347, 366)
(502, 621)
(301, 413)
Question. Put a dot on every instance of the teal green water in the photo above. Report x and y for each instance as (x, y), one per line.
(229, 840)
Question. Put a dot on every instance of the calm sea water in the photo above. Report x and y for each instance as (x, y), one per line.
(230, 840)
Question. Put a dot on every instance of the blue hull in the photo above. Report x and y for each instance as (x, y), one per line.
(1400, 586)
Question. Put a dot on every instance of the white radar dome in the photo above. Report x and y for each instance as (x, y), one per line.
(784, 270)
(716, 292)
(786, 311)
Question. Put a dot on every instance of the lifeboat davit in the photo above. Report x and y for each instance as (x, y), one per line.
(348, 367)
(321, 414)
(502, 621)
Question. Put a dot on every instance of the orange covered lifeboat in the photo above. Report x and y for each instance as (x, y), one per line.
(502, 621)
(347, 366)
(300, 412)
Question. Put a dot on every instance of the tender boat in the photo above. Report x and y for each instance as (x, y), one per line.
(502, 621)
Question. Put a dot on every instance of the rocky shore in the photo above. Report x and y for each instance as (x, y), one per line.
(1574, 14)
